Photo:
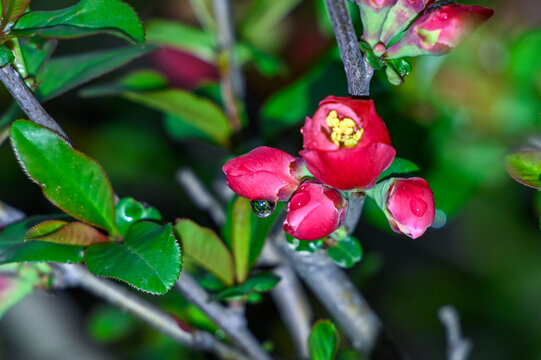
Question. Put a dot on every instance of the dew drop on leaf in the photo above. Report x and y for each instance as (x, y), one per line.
(263, 208)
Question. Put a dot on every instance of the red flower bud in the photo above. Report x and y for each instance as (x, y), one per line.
(399, 17)
(347, 145)
(410, 206)
(439, 30)
(314, 211)
(264, 173)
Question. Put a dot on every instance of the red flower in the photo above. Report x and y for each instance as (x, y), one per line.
(439, 30)
(314, 211)
(399, 17)
(264, 173)
(410, 206)
(346, 144)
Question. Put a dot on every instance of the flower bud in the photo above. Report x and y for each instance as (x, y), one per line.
(439, 30)
(264, 173)
(314, 211)
(346, 144)
(373, 13)
(410, 206)
(399, 17)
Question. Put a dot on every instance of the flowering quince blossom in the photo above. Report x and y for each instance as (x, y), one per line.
(439, 30)
(410, 206)
(315, 211)
(399, 17)
(264, 173)
(346, 144)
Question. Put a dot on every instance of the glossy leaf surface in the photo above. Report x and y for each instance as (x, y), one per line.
(72, 181)
(323, 341)
(60, 232)
(87, 17)
(149, 259)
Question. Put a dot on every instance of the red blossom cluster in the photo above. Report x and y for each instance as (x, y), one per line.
(346, 148)
(400, 28)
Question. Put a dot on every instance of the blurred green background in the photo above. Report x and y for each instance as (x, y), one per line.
(456, 116)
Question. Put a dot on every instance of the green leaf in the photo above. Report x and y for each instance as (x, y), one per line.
(291, 105)
(65, 73)
(87, 17)
(129, 211)
(13, 248)
(525, 167)
(36, 51)
(261, 282)
(399, 166)
(12, 9)
(346, 252)
(109, 324)
(240, 237)
(187, 115)
(149, 259)
(182, 37)
(204, 246)
(72, 181)
(61, 232)
(323, 341)
(303, 245)
(6, 56)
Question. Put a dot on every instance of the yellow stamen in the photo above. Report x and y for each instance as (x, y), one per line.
(344, 131)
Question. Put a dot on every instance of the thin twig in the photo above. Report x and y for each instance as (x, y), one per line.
(233, 325)
(231, 79)
(290, 299)
(199, 195)
(358, 70)
(458, 348)
(28, 103)
(77, 276)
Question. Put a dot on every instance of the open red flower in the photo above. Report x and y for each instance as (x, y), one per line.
(264, 173)
(410, 206)
(314, 211)
(346, 144)
(439, 30)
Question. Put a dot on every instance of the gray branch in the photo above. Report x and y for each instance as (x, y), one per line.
(26, 100)
(358, 70)
(231, 78)
(290, 299)
(458, 348)
(77, 276)
(228, 320)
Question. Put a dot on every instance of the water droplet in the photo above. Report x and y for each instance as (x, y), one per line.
(418, 207)
(263, 208)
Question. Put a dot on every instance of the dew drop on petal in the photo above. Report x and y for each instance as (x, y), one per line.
(263, 208)
(418, 207)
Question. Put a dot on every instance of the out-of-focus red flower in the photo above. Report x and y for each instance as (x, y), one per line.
(264, 173)
(399, 17)
(346, 144)
(314, 211)
(410, 206)
(183, 69)
(439, 30)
